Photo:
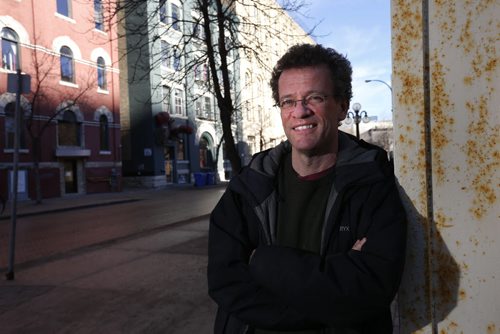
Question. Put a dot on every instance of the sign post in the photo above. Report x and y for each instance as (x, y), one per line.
(16, 83)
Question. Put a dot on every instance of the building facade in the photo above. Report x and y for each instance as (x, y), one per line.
(70, 120)
(171, 126)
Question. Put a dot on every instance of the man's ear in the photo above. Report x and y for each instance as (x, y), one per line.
(344, 105)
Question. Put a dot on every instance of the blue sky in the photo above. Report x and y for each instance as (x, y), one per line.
(359, 29)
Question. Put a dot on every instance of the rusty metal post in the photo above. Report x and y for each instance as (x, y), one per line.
(447, 160)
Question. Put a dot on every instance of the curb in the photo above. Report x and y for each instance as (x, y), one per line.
(70, 208)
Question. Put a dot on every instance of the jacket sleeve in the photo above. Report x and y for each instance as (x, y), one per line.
(347, 287)
(229, 281)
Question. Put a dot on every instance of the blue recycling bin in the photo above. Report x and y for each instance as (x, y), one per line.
(200, 179)
(210, 179)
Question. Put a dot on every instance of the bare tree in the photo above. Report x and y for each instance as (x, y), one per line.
(218, 36)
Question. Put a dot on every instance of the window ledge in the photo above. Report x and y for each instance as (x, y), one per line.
(102, 91)
(68, 84)
(64, 17)
(72, 152)
(11, 150)
(99, 31)
(104, 152)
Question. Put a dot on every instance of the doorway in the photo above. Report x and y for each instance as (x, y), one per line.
(169, 152)
(70, 177)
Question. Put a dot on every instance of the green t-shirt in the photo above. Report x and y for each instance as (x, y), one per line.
(301, 212)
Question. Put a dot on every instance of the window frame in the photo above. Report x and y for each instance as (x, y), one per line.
(69, 130)
(10, 49)
(99, 15)
(175, 17)
(63, 7)
(67, 62)
(102, 82)
(103, 133)
(178, 102)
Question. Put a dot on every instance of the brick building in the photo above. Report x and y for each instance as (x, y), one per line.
(70, 119)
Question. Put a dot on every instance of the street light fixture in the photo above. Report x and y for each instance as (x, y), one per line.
(385, 83)
(382, 81)
(357, 116)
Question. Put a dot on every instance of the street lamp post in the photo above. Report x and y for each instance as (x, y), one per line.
(385, 83)
(357, 116)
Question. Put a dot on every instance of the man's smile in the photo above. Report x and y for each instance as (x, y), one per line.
(304, 127)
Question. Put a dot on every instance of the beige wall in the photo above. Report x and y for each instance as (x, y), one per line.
(446, 128)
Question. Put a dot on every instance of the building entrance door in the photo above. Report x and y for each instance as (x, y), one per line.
(169, 163)
(70, 177)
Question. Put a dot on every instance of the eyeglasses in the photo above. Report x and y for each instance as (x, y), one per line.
(312, 100)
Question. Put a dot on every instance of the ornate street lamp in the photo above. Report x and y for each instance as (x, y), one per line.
(357, 116)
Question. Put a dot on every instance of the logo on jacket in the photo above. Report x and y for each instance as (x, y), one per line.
(344, 229)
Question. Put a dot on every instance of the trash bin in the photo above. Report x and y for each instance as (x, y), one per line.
(210, 179)
(200, 179)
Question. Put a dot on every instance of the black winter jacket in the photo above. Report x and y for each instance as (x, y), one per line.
(339, 290)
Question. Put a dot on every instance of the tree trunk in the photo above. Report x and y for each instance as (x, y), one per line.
(36, 170)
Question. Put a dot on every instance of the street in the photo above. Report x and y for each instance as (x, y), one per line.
(136, 267)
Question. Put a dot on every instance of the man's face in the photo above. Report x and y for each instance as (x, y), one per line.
(312, 128)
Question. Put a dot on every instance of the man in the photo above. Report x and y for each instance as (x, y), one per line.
(310, 237)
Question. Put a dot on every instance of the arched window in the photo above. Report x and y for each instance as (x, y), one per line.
(104, 133)
(101, 73)
(69, 130)
(10, 50)
(67, 64)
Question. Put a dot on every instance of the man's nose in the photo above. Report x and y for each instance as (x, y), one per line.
(301, 109)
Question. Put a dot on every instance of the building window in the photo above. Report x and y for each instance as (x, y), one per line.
(177, 59)
(69, 130)
(180, 149)
(163, 11)
(10, 51)
(198, 29)
(103, 133)
(208, 108)
(199, 108)
(178, 102)
(164, 54)
(166, 99)
(101, 74)
(98, 15)
(10, 127)
(175, 17)
(64, 7)
(67, 65)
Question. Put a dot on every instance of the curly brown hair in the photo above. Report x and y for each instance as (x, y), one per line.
(304, 55)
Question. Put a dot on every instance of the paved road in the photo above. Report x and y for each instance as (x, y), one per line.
(134, 265)
(64, 228)
(152, 283)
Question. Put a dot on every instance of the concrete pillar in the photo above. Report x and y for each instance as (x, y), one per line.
(447, 160)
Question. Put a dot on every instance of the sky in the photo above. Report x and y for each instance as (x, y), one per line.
(360, 30)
